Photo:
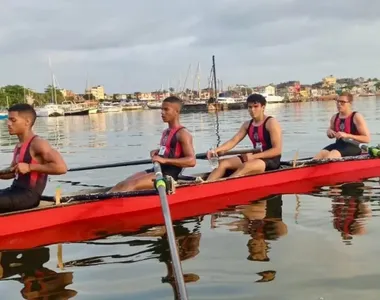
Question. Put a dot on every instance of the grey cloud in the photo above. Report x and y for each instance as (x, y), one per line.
(139, 45)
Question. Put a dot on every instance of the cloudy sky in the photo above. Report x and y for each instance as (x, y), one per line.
(130, 46)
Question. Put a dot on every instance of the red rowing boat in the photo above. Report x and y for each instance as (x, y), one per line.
(52, 223)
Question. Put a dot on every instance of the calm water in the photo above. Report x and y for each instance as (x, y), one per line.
(284, 247)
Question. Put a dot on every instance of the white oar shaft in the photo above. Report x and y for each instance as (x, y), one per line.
(161, 187)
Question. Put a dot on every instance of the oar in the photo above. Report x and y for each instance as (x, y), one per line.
(372, 151)
(161, 188)
(149, 161)
(6, 171)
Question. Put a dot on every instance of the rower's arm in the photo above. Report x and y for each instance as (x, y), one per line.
(331, 128)
(332, 123)
(186, 141)
(236, 139)
(275, 132)
(364, 135)
(52, 161)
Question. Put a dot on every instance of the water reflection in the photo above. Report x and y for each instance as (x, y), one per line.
(262, 221)
(156, 246)
(350, 208)
(38, 281)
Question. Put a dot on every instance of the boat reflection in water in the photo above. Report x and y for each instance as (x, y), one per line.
(350, 209)
(39, 282)
(262, 220)
(156, 248)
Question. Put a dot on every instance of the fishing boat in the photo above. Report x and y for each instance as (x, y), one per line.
(192, 191)
(50, 110)
(154, 105)
(131, 105)
(107, 107)
(74, 109)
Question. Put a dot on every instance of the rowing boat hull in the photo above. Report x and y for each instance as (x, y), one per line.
(212, 196)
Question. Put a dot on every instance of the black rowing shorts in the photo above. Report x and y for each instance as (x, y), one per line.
(17, 198)
(167, 170)
(345, 149)
(270, 163)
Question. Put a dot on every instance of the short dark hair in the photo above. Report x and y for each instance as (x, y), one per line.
(174, 99)
(256, 98)
(24, 108)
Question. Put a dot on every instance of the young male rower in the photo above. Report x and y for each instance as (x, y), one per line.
(33, 160)
(266, 136)
(346, 124)
(175, 153)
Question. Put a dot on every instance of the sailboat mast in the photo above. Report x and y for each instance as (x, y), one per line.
(53, 92)
(199, 81)
(215, 86)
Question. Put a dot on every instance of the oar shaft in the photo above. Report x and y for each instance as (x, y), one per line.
(149, 161)
(161, 187)
(114, 165)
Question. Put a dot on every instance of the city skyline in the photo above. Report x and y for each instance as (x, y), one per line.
(128, 46)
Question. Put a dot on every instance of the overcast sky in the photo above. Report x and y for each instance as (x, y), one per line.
(130, 46)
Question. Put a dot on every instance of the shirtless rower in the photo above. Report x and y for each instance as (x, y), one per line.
(346, 124)
(33, 160)
(266, 136)
(175, 153)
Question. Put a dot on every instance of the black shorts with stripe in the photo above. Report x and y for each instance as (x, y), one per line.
(18, 198)
(270, 163)
(345, 149)
(167, 170)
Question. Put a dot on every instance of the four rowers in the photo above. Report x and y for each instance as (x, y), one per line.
(34, 159)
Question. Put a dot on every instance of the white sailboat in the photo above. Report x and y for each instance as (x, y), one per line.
(52, 109)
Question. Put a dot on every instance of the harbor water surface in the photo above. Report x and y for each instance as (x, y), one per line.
(284, 247)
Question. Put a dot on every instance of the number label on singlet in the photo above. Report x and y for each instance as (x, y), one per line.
(162, 150)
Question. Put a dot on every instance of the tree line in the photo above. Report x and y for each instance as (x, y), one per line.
(12, 94)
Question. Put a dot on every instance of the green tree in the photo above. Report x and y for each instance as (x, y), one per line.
(50, 94)
(14, 94)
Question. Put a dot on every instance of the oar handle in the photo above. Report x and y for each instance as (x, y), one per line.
(233, 152)
(237, 152)
(6, 171)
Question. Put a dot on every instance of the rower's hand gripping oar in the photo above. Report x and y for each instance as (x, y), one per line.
(372, 151)
(149, 161)
(160, 185)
